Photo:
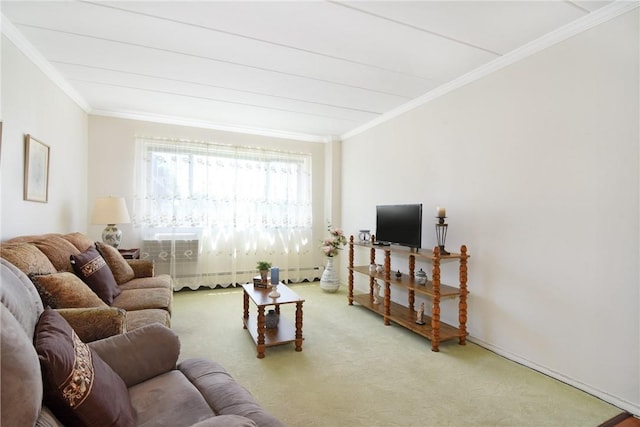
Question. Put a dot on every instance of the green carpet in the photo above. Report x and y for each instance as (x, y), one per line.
(354, 371)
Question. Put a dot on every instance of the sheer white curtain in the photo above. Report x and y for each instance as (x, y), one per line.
(208, 212)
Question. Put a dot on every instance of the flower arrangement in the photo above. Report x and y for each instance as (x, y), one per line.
(333, 244)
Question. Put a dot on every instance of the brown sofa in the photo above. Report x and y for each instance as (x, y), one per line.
(46, 260)
(130, 379)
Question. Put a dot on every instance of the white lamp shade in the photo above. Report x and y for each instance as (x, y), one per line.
(110, 210)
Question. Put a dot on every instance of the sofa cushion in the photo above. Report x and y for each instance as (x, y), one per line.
(223, 393)
(47, 298)
(139, 299)
(68, 290)
(119, 266)
(139, 318)
(159, 281)
(47, 419)
(79, 387)
(169, 400)
(21, 386)
(94, 271)
(137, 356)
(58, 250)
(142, 267)
(81, 241)
(95, 323)
(19, 296)
(27, 257)
(226, 421)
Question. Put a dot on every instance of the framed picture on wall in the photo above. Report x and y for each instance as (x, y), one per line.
(36, 170)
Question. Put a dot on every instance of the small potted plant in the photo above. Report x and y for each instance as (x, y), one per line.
(263, 267)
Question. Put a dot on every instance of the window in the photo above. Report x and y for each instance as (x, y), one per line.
(235, 201)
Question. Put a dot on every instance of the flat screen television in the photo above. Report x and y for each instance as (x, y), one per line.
(399, 225)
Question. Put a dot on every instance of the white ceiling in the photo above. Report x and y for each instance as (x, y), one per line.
(307, 69)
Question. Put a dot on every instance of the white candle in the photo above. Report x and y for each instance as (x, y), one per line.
(441, 212)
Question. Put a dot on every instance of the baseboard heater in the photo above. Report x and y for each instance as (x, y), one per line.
(314, 270)
(183, 256)
(216, 280)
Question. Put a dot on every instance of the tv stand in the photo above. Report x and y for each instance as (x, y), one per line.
(433, 329)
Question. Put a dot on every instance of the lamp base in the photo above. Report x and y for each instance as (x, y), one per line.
(443, 251)
(112, 235)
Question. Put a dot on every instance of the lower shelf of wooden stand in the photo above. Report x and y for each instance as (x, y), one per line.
(406, 318)
(283, 334)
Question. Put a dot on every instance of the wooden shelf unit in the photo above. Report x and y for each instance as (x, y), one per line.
(405, 316)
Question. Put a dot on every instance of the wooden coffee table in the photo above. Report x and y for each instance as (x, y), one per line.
(285, 332)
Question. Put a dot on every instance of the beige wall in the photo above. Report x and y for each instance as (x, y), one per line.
(111, 161)
(537, 165)
(33, 104)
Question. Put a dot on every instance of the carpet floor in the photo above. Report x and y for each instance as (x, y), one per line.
(354, 371)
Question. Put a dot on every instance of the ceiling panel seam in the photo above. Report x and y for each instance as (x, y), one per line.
(576, 5)
(261, 40)
(208, 58)
(415, 27)
(191, 82)
(164, 92)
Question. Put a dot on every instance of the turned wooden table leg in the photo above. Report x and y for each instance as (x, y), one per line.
(299, 326)
(435, 308)
(412, 267)
(372, 280)
(245, 314)
(387, 287)
(435, 325)
(350, 281)
(462, 307)
(261, 325)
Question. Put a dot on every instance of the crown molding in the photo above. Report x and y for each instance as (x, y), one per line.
(203, 124)
(591, 20)
(16, 37)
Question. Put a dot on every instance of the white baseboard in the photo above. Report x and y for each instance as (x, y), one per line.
(623, 404)
(600, 394)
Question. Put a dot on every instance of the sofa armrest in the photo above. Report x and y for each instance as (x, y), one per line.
(142, 267)
(96, 323)
(140, 354)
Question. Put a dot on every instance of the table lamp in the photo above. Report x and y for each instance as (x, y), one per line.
(111, 211)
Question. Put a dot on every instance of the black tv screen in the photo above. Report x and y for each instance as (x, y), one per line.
(399, 224)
